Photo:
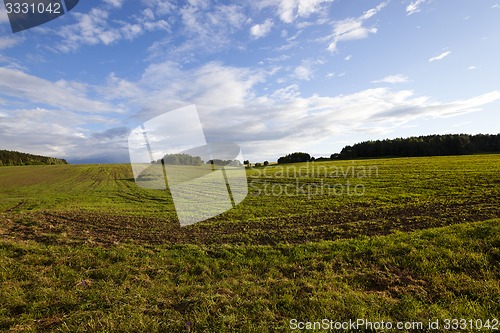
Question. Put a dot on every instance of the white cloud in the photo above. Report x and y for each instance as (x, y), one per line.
(62, 94)
(399, 78)
(6, 42)
(283, 117)
(204, 30)
(414, 7)
(349, 57)
(349, 29)
(53, 118)
(160, 7)
(290, 10)
(261, 30)
(90, 29)
(372, 12)
(353, 28)
(148, 14)
(278, 59)
(58, 133)
(303, 73)
(308, 7)
(131, 31)
(209, 86)
(114, 3)
(97, 27)
(470, 68)
(3, 16)
(440, 57)
(443, 110)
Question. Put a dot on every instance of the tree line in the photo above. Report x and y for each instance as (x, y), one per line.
(415, 146)
(180, 159)
(429, 145)
(8, 157)
(186, 159)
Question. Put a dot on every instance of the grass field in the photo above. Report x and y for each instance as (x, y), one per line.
(82, 248)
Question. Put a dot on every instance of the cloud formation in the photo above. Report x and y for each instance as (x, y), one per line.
(61, 94)
(261, 30)
(414, 7)
(97, 27)
(290, 10)
(440, 57)
(261, 73)
(6, 42)
(353, 28)
(399, 78)
(264, 124)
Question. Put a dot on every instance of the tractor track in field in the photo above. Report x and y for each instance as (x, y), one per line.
(102, 205)
(108, 229)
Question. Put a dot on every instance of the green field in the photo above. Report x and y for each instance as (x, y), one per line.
(83, 248)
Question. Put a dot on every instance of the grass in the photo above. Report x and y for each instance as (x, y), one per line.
(82, 248)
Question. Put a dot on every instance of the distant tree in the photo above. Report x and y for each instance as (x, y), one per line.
(294, 158)
(266, 163)
(348, 152)
(258, 164)
(180, 159)
(334, 156)
(224, 162)
(172, 159)
(246, 162)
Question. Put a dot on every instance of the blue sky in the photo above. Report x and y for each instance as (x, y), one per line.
(274, 76)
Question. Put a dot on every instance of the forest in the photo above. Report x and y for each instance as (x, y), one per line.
(429, 145)
(9, 158)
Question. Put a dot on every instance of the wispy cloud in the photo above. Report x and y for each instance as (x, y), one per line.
(399, 78)
(6, 42)
(353, 28)
(114, 3)
(290, 10)
(305, 71)
(414, 7)
(442, 110)
(440, 57)
(97, 27)
(206, 29)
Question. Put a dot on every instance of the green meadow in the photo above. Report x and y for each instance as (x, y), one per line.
(409, 240)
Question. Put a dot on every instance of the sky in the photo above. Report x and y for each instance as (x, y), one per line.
(273, 76)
